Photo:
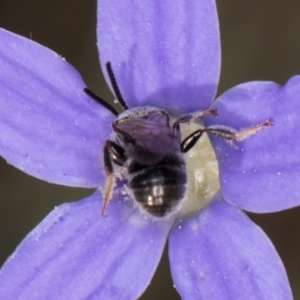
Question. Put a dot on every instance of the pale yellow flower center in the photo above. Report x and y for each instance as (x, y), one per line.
(203, 173)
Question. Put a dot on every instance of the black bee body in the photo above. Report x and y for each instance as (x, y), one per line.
(150, 152)
(159, 188)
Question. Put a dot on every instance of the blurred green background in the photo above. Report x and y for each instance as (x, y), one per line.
(260, 41)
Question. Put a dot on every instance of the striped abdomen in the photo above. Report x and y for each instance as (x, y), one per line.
(159, 188)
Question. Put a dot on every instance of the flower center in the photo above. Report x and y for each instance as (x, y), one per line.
(202, 171)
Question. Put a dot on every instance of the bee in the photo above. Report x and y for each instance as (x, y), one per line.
(150, 149)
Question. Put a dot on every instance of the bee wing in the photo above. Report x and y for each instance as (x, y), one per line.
(152, 135)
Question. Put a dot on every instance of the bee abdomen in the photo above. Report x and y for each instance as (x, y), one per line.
(160, 200)
(160, 188)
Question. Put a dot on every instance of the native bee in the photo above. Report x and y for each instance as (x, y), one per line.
(151, 151)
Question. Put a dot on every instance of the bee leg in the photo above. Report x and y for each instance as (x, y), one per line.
(190, 141)
(196, 116)
(112, 153)
(231, 135)
(226, 133)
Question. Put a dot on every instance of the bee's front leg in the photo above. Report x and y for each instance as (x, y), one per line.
(190, 141)
(230, 135)
(227, 133)
(195, 117)
(112, 153)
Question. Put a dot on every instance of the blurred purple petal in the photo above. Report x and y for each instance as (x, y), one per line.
(163, 53)
(49, 127)
(263, 173)
(221, 254)
(77, 254)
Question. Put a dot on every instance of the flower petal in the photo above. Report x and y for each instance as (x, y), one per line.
(77, 254)
(263, 173)
(163, 53)
(221, 254)
(49, 127)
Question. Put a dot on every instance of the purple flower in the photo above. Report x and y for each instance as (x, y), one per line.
(164, 54)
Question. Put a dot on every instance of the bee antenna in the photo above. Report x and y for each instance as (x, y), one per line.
(115, 86)
(101, 101)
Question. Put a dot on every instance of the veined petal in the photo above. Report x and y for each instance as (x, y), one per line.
(163, 53)
(263, 173)
(221, 254)
(77, 254)
(49, 127)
